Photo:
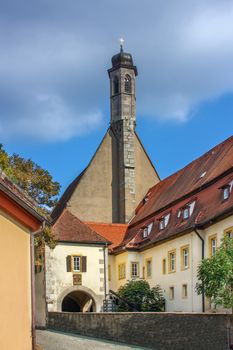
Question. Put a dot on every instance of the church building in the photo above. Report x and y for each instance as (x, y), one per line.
(120, 172)
(118, 221)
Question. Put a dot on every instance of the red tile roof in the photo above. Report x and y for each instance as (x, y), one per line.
(200, 181)
(68, 228)
(112, 232)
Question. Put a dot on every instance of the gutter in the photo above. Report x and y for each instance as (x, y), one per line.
(202, 256)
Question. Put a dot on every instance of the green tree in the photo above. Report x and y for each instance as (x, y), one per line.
(215, 275)
(37, 183)
(140, 297)
(34, 180)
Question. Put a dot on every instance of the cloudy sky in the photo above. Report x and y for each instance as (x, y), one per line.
(54, 88)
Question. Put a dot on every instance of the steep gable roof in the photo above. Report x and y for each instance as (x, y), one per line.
(68, 228)
(112, 232)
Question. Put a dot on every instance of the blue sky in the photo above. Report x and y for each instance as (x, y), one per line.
(54, 88)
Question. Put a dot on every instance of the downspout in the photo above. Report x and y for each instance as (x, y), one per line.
(105, 277)
(202, 256)
(33, 291)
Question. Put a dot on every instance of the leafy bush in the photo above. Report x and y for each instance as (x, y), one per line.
(140, 297)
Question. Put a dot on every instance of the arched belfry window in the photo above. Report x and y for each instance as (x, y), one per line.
(116, 85)
(128, 86)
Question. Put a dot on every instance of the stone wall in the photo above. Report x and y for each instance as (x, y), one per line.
(166, 331)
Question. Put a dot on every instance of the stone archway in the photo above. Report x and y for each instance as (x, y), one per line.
(77, 299)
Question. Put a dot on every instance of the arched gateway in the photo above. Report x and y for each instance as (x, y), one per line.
(77, 299)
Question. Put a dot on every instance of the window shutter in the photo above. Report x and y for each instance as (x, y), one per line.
(84, 264)
(68, 263)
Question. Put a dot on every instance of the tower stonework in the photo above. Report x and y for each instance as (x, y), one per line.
(123, 122)
(120, 172)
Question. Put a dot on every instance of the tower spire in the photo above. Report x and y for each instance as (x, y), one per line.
(121, 44)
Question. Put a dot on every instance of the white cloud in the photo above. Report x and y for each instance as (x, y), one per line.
(53, 79)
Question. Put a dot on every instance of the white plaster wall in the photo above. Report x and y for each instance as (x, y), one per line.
(58, 280)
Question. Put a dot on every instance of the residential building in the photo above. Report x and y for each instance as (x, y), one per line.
(19, 220)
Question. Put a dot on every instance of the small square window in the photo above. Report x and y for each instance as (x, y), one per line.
(171, 293)
(184, 291)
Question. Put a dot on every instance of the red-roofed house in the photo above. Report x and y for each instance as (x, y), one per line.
(19, 220)
(76, 269)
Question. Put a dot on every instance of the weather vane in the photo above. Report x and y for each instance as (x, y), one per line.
(121, 43)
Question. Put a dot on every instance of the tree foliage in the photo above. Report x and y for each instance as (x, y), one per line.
(139, 294)
(34, 180)
(215, 275)
(37, 183)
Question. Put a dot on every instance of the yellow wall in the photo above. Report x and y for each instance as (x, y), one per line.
(15, 291)
(178, 278)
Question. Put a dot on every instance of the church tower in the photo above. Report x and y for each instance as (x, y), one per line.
(123, 122)
(120, 172)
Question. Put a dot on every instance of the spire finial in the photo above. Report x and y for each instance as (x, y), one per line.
(121, 43)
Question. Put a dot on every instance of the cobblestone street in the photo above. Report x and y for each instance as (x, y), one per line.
(50, 340)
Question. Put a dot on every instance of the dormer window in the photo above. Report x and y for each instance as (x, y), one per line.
(186, 213)
(147, 230)
(163, 221)
(188, 210)
(226, 192)
(162, 224)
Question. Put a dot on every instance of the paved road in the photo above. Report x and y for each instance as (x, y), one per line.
(51, 340)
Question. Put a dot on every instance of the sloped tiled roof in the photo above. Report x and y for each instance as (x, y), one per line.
(201, 182)
(68, 228)
(112, 232)
(213, 163)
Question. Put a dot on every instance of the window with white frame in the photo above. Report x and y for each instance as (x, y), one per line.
(184, 257)
(212, 245)
(188, 210)
(163, 221)
(77, 263)
(134, 269)
(172, 261)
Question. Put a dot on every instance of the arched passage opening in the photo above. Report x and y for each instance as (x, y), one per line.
(78, 301)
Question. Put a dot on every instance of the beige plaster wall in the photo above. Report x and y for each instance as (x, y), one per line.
(92, 199)
(15, 291)
(96, 196)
